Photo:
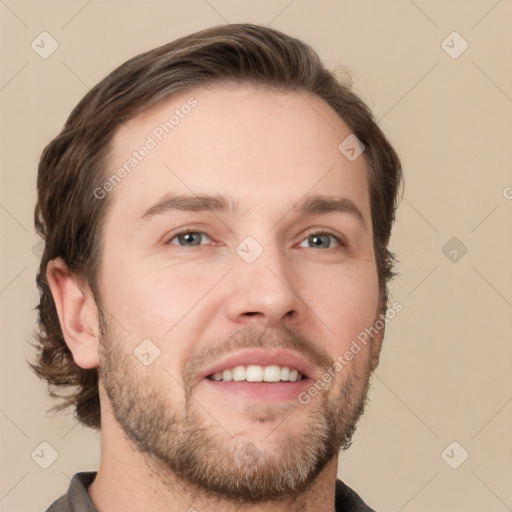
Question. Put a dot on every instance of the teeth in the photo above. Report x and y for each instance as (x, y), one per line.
(255, 373)
(238, 373)
(272, 374)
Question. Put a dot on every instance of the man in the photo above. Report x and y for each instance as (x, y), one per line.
(216, 215)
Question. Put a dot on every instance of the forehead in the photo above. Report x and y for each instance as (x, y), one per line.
(258, 146)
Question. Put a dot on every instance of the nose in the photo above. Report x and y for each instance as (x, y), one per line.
(266, 291)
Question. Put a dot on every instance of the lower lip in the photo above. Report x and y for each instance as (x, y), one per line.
(262, 391)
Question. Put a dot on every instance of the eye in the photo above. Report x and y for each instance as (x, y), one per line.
(318, 240)
(188, 238)
(321, 240)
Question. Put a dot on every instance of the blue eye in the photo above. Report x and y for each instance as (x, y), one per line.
(321, 240)
(317, 240)
(188, 238)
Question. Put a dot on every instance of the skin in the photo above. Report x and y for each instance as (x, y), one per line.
(266, 151)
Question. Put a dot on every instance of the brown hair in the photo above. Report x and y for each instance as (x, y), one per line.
(69, 217)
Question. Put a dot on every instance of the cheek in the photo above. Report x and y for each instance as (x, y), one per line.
(158, 301)
(344, 301)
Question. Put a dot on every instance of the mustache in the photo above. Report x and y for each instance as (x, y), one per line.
(250, 337)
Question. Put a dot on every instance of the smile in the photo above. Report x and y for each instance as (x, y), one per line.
(255, 373)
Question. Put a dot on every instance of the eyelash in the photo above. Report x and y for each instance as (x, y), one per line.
(185, 231)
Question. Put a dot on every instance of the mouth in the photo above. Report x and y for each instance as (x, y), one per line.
(256, 373)
(264, 376)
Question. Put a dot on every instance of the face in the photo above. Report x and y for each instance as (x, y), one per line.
(237, 269)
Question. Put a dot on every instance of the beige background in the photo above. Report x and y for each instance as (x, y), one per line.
(445, 373)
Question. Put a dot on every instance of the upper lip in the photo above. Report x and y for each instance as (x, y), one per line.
(280, 357)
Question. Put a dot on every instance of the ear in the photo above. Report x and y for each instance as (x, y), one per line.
(77, 313)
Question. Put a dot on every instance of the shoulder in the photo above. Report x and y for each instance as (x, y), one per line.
(348, 500)
(76, 498)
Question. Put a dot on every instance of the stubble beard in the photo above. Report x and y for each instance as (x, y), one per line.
(190, 445)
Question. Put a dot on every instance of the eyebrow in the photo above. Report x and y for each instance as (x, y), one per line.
(195, 203)
(319, 204)
(329, 204)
